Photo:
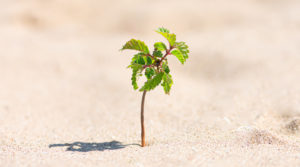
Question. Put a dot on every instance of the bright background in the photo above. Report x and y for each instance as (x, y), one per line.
(236, 102)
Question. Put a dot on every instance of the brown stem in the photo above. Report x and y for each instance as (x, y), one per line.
(142, 119)
(164, 57)
(145, 66)
(150, 56)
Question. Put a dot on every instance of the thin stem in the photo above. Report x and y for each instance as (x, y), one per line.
(163, 58)
(145, 66)
(150, 56)
(142, 120)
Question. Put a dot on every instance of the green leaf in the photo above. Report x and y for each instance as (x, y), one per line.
(161, 29)
(157, 53)
(145, 61)
(160, 46)
(152, 83)
(134, 58)
(170, 37)
(140, 60)
(183, 48)
(149, 72)
(179, 56)
(134, 44)
(136, 69)
(167, 83)
(148, 60)
(166, 68)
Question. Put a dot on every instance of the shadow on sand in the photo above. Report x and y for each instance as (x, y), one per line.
(86, 147)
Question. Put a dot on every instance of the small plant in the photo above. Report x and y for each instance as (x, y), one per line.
(154, 65)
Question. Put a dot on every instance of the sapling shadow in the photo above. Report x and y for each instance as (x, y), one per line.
(87, 147)
(154, 65)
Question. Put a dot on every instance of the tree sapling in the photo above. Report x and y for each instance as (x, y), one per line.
(154, 65)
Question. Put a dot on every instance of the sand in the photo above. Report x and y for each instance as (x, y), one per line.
(66, 98)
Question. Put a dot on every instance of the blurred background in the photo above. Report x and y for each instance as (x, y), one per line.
(63, 78)
(139, 17)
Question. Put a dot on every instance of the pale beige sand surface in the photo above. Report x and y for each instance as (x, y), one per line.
(66, 98)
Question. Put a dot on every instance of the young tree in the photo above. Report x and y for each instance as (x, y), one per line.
(154, 65)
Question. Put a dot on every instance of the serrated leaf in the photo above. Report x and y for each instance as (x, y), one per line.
(166, 68)
(140, 60)
(167, 82)
(160, 46)
(179, 56)
(148, 60)
(157, 53)
(134, 58)
(170, 37)
(149, 72)
(183, 48)
(162, 29)
(152, 83)
(134, 44)
(136, 68)
(134, 80)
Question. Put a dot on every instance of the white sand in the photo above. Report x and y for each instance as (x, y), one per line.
(66, 98)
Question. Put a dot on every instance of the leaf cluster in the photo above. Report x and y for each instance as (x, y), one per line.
(154, 66)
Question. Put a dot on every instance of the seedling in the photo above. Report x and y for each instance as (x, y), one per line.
(154, 65)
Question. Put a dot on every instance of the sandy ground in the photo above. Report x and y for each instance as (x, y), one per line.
(66, 98)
